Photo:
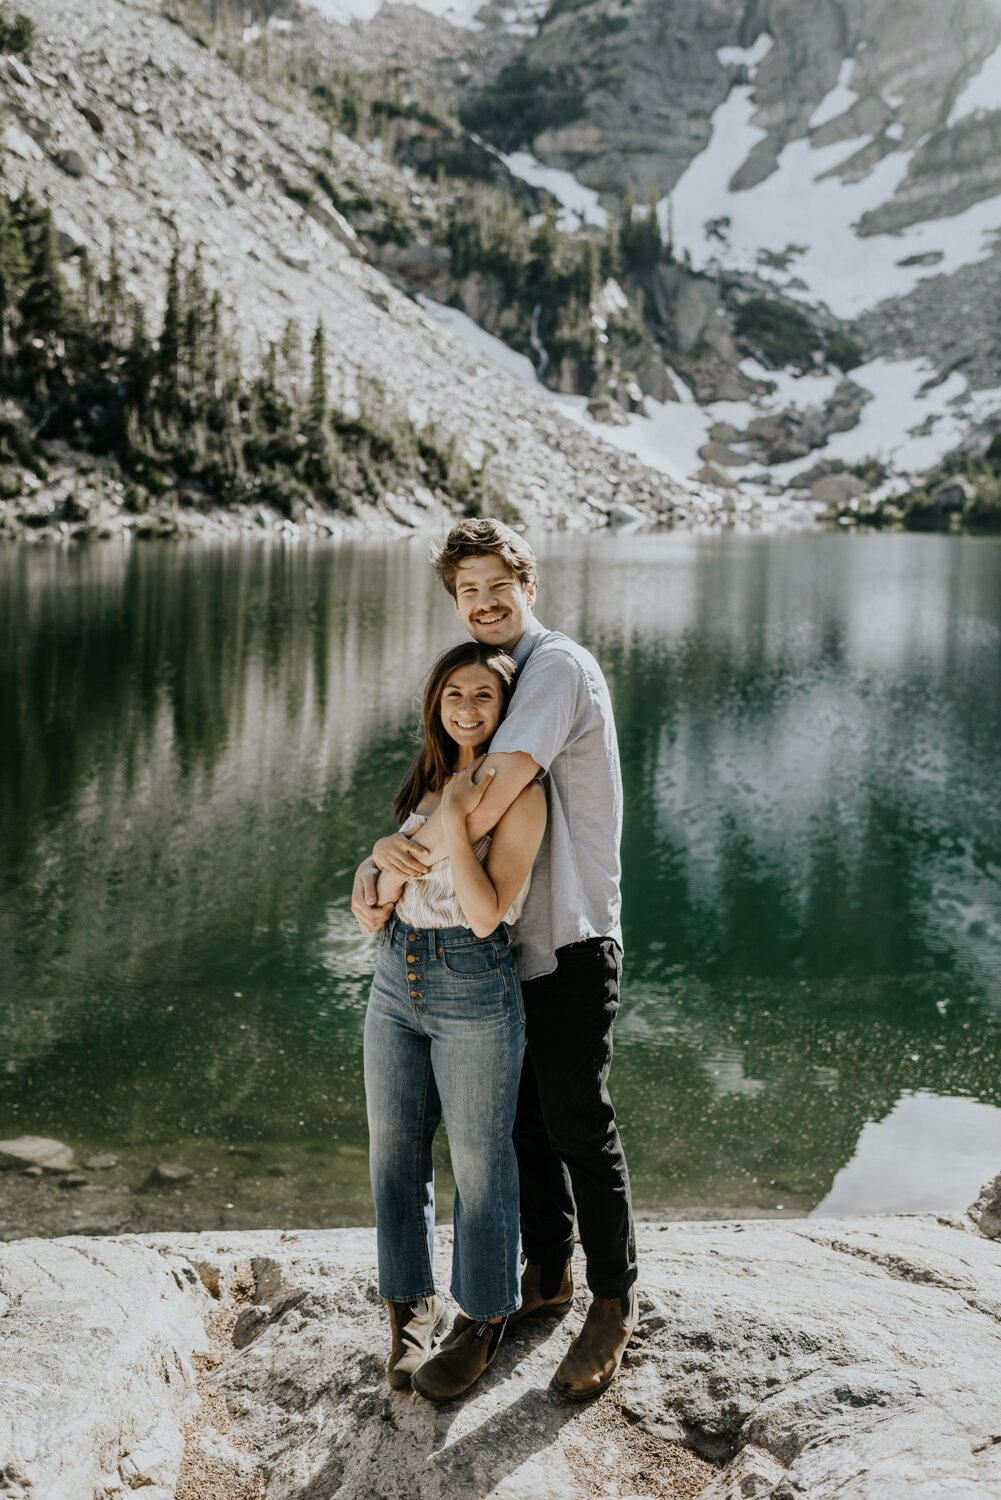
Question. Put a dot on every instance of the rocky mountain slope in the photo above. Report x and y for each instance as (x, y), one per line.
(847, 155)
(142, 140)
(812, 323)
(838, 160)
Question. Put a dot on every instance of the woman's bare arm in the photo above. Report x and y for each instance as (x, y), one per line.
(486, 893)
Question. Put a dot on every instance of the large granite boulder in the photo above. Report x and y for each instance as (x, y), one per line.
(797, 1358)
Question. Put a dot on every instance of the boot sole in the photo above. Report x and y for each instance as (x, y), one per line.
(569, 1394)
(453, 1395)
(546, 1310)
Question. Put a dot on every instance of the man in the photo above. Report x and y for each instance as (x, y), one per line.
(568, 941)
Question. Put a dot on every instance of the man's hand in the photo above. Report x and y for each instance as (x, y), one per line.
(401, 856)
(369, 915)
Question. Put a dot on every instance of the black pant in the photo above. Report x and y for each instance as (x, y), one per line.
(565, 1134)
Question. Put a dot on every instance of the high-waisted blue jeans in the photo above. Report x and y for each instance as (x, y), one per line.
(444, 1036)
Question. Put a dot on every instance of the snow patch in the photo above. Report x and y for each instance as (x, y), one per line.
(980, 93)
(522, 19)
(495, 349)
(580, 203)
(887, 427)
(668, 439)
(746, 57)
(836, 103)
(804, 203)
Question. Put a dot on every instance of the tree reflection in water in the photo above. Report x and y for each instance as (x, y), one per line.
(199, 743)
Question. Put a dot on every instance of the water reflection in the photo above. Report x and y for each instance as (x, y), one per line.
(199, 744)
(929, 1153)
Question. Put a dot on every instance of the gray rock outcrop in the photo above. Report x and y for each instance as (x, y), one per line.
(35, 1151)
(820, 1358)
(986, 1211)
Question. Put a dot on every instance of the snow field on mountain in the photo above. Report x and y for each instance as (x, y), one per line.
(521, 17)
(804, 204)
(669, 437)
(981, 92)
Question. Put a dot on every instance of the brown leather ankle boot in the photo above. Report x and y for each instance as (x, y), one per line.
(592, 1361)
(460, 1361)
(413, 1326)
(534, 1304)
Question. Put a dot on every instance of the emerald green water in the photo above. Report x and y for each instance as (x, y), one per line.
(198, 744)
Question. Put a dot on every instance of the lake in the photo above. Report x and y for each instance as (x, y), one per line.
(199, 743)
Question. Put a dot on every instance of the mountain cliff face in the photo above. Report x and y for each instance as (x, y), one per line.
(838, 157)
(652, 74)
(771, 125)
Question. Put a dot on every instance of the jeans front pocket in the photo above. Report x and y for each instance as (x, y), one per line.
(471, 961)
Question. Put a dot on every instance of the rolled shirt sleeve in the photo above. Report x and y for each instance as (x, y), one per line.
(544, 710)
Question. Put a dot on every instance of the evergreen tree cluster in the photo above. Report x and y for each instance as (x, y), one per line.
(17, 33)
(482, 222)
(536, 263)
(175, 411)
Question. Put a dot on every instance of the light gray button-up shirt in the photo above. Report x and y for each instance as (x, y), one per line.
(561, 715)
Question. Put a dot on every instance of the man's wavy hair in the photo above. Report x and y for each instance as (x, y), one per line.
(473, 537)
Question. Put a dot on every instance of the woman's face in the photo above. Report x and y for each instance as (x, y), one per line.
(471, 705)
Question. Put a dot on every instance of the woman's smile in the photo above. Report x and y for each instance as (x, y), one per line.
(471, 704)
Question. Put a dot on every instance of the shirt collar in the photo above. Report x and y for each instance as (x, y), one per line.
(534, 632)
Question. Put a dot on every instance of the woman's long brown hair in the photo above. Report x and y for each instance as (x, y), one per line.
(437, 756)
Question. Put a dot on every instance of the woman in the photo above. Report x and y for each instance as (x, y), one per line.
(444, 1036)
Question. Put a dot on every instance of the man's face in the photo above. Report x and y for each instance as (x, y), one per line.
(492, 603)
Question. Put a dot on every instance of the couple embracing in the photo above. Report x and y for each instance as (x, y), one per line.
(495, 990)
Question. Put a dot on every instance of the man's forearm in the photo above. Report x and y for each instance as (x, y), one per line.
(513, 770)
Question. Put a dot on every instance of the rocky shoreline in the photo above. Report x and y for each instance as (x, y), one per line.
(855, 1358)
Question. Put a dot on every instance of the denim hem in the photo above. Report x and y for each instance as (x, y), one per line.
(504, 1312)
(410, 1296)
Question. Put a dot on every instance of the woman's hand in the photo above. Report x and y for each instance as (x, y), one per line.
(461, 794)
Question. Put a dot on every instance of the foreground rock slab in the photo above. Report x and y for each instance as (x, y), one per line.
(856, 1358)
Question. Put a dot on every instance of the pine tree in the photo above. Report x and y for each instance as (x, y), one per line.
(13, 277)
(543, 247)
(169, 353)
(212, 350)
(290, 351)
(138, 368)
(195, 310)
(589, 271)
(611, 253)
(44, 300)
(112, 299)
(642, 245)
(316, 405)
